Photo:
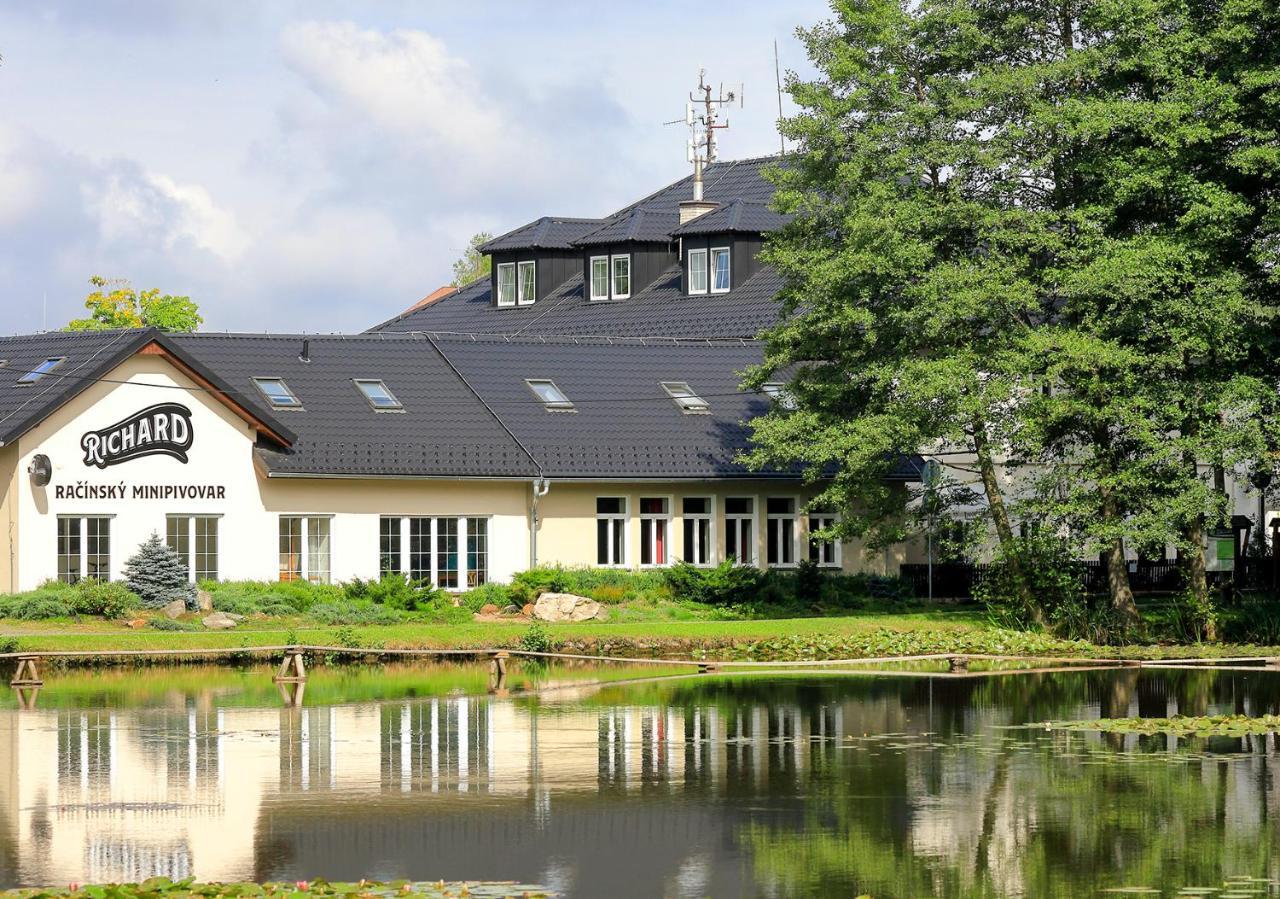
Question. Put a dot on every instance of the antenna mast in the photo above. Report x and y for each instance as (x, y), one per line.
(701, 115)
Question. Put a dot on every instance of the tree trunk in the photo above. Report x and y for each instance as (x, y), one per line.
(1117, 568)
(1000, 517)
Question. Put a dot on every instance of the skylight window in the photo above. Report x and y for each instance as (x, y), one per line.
(688, 401)
(40, 371)
(378, 395)
(779, 394)
(552, 396)
(277, 393)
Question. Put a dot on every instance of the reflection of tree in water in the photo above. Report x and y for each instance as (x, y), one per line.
(1021, 813)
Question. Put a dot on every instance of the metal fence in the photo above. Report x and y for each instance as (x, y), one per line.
(957, 580)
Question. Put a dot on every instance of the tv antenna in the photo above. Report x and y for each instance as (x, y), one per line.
(701, 116)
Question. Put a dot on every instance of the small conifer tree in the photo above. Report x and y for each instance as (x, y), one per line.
(157, 575)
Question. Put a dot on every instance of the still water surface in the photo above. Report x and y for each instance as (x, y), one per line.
(773, 785)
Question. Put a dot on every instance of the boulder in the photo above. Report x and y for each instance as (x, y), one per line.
(219, 621)
(527, 610)
(489, 609)
(175, 609)
(511, 610)
(136, 623)
(565, 607)
(204, 600)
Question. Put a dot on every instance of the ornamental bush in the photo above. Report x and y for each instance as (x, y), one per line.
(158, 576)
(106, 598)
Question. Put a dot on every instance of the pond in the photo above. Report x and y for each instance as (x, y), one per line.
(722, 785)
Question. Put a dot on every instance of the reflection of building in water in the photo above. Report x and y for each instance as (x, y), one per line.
(123, 795)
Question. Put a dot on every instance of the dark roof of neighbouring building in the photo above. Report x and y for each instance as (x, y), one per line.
(547, 233)
(736, 216)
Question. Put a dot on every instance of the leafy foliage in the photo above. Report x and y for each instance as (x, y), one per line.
(116, 304)
(491, 593)
(157, 575)
(110, 599)
(537, 638)
(472, 264)
(394, 592)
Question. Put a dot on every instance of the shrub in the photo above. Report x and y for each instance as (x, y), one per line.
(441, 610)
(35, 606)
(527, 586)
(157, 575)
(394, 592)
(537, 639)
(810, 581)
(486, 594)
(345, 611)
(168, 624)
(270, 597)
(106, 598)
(726, 584)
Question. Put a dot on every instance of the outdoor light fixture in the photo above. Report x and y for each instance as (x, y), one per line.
(41, 470)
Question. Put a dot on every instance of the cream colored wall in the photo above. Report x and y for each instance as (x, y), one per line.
(9, 518)
(567, 533)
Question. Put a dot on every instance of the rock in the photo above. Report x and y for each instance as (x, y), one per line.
(511, 610)
(565, 607)
(527, 611)
(136, 623)
(174, 609)
(489, 609)
(219, 621)
(204, 600)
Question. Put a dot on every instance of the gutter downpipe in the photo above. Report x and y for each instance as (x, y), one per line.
(541, 486)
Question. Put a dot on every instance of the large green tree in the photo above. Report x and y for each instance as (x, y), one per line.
(117, 304)
(472, 264)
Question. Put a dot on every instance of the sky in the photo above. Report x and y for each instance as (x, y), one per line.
(318, 165)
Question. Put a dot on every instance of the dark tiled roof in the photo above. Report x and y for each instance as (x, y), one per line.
(639, 224)
(660, 309)
(444, 430)
(625, 425)
(547, 233)
(735, 216)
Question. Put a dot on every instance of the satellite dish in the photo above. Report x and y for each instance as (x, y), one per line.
(41, 470)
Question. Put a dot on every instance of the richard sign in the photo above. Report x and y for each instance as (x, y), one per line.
(160, 430)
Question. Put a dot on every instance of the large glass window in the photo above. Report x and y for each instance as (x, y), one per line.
(305, 548)
(696, 514)
(621, 277)
(434, 550)
(506, 284)
(655, 525)
(739, 527)
(823, 552)
(528, 288)
(194, 538)
(477, 551)
(720, 270)
(611, 530)
(781, 530)
(599, 277)
(70, 564)
(697, 271)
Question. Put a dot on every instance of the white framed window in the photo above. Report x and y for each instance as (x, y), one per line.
(506, 283)
(655, 530)
(688, 401)
(720, 270)
(821, 551)
(451, 552)
(527, 288)
(277, 393)
(84, 548)
(621, 269)
(552, 397)
(698, 519)
(194, 538)
(599, 277)
(611, 531)
(740, 529)
(780, 531)
(697, 271)
(305, 548)
(378, 394)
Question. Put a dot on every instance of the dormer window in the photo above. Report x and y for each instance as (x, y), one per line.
(621, 269)
(688, 401)
(720, 270)
(599, 277)
(527, 288)
(697, 271)
(506, 284)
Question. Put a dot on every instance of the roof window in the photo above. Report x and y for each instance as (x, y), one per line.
(379, 397)
(40, 371)
(780, 395)
(552, 396)
(277, 393)
(688, 401)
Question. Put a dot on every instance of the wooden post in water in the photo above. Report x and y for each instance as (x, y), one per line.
(291, 669)
(708, 667)
(27, 698)
(26, 675)
(958, 664)
(498, 671)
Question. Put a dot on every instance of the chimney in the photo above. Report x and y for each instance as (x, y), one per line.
(305, 355)
(691, 209)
